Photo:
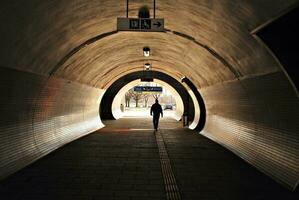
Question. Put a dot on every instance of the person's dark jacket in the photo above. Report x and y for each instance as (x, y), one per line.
(156, 109)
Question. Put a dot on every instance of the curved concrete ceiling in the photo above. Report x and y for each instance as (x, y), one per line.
(251, 105)
(211, 37)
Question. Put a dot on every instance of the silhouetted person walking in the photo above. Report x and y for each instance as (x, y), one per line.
(156, 109)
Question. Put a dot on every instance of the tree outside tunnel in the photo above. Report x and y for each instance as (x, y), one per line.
(139, 99)
(144, 93)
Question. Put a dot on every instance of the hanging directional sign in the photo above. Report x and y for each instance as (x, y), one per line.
(140, 24)
(148, 89)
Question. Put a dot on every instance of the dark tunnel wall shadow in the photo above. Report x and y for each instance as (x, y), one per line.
(281, 36)
(202, 118)
(105, 109)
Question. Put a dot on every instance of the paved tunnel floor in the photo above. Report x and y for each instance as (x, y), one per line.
(122, 161)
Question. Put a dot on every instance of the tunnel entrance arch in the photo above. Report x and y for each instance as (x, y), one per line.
(200, 118)
(117, 113)
(184, 92)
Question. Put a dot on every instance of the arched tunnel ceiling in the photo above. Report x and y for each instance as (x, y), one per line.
(37, 35)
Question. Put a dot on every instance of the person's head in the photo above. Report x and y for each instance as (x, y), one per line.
(157, 101)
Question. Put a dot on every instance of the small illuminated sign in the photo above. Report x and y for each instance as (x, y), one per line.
(149, 89)
(140, 24)
(134, 24)
(145, 24)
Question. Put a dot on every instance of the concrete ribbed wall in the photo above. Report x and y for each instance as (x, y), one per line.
(251, 107)
(257, 119)
(40, 114)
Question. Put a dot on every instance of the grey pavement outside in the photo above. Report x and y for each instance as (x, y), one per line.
(121, 161)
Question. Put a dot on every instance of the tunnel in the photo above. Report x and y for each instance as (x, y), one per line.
(106, 107)
(118, 113)
(63, 62)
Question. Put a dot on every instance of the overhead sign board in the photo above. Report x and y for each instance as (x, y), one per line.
(140, 24)
(149, 89)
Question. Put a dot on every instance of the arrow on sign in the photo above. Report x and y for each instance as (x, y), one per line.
(158, 24)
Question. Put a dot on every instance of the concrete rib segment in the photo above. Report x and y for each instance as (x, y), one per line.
(121, 161)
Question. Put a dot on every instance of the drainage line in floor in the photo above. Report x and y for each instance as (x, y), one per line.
(171, 187)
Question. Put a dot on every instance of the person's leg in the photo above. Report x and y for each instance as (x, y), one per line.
(157, 123)
(154, 122)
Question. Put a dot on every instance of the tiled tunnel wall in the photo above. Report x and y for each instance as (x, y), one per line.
(40, 114)
(207, 41)
(257, 119)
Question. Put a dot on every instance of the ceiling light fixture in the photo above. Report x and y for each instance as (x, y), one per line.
(146, 51)
(147, 66)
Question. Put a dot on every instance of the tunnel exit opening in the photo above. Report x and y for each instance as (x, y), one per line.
(191, 108)
(136, 98)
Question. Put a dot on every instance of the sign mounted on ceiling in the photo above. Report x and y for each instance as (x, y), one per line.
(148, 89)
(140, 24)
